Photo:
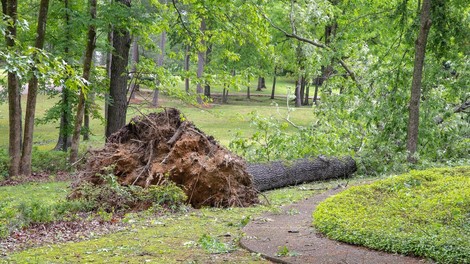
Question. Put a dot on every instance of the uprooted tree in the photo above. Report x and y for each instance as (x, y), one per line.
(159, 147)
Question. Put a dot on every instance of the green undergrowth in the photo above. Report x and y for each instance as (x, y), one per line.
(207, 235)
(422, 213)
(24, 204)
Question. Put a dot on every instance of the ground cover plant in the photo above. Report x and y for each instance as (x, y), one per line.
(29, 203)
(422, 213)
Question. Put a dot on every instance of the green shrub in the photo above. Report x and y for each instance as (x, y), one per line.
(113, 197)
(422, 213)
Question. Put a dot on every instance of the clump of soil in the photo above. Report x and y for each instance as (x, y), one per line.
(158, 147)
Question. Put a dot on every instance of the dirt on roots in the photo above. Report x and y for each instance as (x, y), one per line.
(158, 147)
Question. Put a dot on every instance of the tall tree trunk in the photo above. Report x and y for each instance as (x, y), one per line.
(118, 84)
(315, 95)
(86, 121)
(207, 87)
(302, 88)
(248, 94)
(161, 59)
(65, 139)
(109, 59)
(200, 62)
(135, 60)
(420, 51)
(274, 83)
(14, 96)
(90, 47)
(261, 84)
(298, 102)
(307, 92)
(26, 156)
(186, 68)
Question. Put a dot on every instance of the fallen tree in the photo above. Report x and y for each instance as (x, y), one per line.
(278, 174)
(160, 147)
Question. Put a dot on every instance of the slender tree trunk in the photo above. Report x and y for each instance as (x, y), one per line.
(14, 96)
(420, 51)
(86, 121)
(248, 94)
(207, 87)
(26, 156)
(118, 84)
(135, 60)
(186, 68)
(298, 102)
(86, 75)
(315, 95)
(200, 63)
(109, 59)
(302, 88)
(274, 83)
(160, 61)
(307, 93)
(260, 84)
(65, 139)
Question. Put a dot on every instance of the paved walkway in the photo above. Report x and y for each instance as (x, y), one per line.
(292, 228)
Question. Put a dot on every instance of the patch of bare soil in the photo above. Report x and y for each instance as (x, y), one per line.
(289, 237)
(158, 147)
(57, 232)
(40, 177)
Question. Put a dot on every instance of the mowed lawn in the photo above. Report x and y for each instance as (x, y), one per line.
(219, 120)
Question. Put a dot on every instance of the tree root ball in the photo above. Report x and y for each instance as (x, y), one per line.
(160, 147)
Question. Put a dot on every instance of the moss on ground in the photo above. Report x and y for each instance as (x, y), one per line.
(423, 213)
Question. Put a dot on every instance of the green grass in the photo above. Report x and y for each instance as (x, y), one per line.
(423, 213)
(22, 204)
(208, 235)
(220, 121)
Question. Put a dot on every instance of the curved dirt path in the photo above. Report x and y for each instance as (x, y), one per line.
(292, 228)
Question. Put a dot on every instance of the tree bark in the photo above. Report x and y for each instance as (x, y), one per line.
(160, 61)
(135, 60)
(186, 68)
(279, 174)
(248, 92)
(302, 89)
(14, 96)
(25, 168)
(200, 62)
(117, 108)
(298, 101)
(274, 83)
(261, 84)
(65, 130)
(207, 87)
(91, 38)
(307, 92)
(420, 51)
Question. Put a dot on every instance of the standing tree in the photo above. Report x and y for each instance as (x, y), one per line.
(26, 156)
(117, 109)
(10, 8)
(90, 47)
(420, 51)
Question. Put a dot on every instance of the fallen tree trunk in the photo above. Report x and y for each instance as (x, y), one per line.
(160, 147)
(278, 174)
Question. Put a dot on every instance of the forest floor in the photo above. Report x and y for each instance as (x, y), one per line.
(289, 237)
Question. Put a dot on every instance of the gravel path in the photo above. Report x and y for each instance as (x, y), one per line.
(292, 231)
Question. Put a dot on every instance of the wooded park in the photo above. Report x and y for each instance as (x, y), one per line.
(243, 131)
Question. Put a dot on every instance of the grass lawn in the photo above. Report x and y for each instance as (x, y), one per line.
(220, 121)
(423, 213)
